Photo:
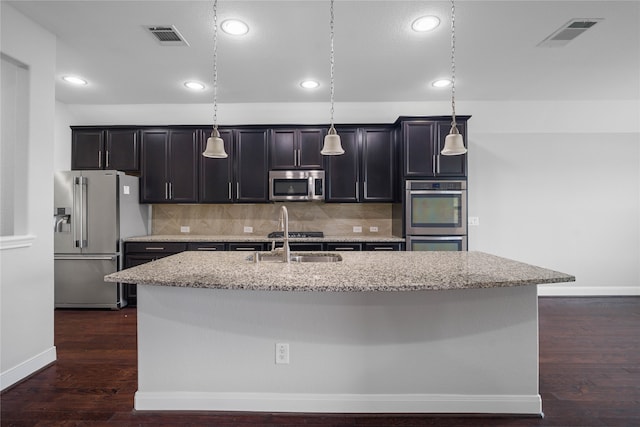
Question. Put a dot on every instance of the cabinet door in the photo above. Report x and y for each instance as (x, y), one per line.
(310, 143)
(87, 147)
(121, 152)
(418, 153)
(154, 177)
(183, 166)
(283, 149)
(251, 163)
(342, 171)
(216, 175)
(450, 165)
(378, 172)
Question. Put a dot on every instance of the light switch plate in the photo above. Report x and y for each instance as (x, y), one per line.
(474, 221)
(248, 229)
(185, 229)
(373, 229)
(357, 229)
(126, 189)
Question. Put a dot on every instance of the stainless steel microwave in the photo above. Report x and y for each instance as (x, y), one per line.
(296, 185)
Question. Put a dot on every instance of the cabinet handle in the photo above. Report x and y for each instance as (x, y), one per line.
(365, 189)
(166, 191)
(154, 248)
(170, 191)
(238, 190)
(382, 248)
(207, 249)
(229, 190)
(357, 190)
(299, 158)
(106, 163)
(241, 248)
(438, 164)
(433, 164)
(348, 248)
(99, 159)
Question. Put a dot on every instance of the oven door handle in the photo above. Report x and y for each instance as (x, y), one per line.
(419, 192)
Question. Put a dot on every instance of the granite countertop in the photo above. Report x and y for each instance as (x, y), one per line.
(256, 238)
(357, 272)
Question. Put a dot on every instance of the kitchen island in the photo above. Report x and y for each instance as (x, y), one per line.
(422, 332)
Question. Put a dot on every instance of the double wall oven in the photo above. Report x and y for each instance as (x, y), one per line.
(436, 215)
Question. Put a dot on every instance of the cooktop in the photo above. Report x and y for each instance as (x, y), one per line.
(295, 234)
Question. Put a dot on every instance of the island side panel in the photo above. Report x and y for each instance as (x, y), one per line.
(473, 351)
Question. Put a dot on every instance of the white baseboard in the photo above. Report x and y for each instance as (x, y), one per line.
(338, 403)
(587, 291)
(26, 368)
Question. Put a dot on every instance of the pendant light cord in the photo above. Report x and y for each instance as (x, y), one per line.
(215, 65)
(332, 62)
(453, 63)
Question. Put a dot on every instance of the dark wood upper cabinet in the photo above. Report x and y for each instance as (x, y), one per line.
(251, 165)
(366, 171)
(378, 165)
(422, 139)
(122, 150)
(87, 149)
(342, 172)
(296, 148)
(216, 175)
(169, 166)
(116, 149)
(455, 166)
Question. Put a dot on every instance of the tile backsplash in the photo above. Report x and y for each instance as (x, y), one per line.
(334, 219)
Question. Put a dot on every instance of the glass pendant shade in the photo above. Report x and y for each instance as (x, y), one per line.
(215, 146)
(453, 143)
(332, 144)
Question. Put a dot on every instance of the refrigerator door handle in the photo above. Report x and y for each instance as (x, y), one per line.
(74, 213)
(83, 211)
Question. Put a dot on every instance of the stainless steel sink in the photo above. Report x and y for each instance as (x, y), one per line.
(295, 257)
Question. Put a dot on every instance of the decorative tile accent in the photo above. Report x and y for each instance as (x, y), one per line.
(334, 219)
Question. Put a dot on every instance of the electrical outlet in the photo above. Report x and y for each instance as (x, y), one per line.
(185, 229)
(474, 220)
(248, 229)
(282, 353)
(373, 229)
(357, 229)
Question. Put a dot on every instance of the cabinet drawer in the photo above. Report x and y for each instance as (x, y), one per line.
(246, 246)
(152, 247)
(344, 246)
(302, 246)
(383, 246)
(205, 246)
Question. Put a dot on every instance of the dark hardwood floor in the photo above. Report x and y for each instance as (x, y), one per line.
(589, 376)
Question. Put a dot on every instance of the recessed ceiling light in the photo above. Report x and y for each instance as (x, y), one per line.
(194, 85)
(425, 23)
(234, 27)
(75, 80)
(309, 84)
(441, 83)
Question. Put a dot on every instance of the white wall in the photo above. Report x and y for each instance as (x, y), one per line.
(555, 184)
(26, 286)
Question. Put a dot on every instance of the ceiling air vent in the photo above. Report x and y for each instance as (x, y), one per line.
(167, 35)
(568, 32)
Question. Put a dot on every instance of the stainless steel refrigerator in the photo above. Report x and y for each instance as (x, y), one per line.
(93, 212)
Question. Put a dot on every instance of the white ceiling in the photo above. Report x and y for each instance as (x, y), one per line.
(378, 57)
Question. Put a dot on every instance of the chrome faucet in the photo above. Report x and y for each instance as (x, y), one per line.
(284, 226)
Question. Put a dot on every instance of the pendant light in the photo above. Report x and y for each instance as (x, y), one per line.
(332, 145)
(215, 144)
(453, 143)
